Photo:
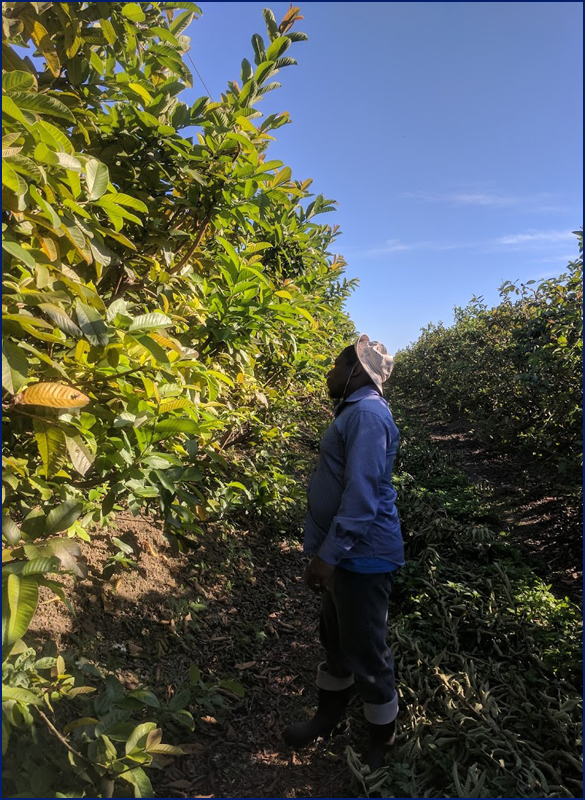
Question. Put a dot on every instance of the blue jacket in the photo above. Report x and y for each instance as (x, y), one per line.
(351, 500)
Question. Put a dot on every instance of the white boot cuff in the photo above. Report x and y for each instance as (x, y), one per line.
(382, 714)
(329, 682)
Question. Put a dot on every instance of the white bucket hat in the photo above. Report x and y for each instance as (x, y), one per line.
(375, 359)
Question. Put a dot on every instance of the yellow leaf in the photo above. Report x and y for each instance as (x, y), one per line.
(164, 341)
(81, 348)
(141, 91)
(52, 395)
(201, 513)
(173, 403)
(49, 248)
(241, 377)
(43, 41)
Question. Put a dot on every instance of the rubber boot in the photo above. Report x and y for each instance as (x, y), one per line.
(382, 737)
(326, 721)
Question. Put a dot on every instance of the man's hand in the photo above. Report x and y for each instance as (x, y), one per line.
(317, 574)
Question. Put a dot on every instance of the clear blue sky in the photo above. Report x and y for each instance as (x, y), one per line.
(449, 133)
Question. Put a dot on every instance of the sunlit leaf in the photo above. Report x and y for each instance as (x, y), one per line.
(133, 12)
(20, 599)
(97, 177)
(14, 367)
(152, 321)
(51, 443)
(91, 323)
(63, 516)
(53, 395)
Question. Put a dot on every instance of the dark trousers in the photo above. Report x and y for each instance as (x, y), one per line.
(353, 630)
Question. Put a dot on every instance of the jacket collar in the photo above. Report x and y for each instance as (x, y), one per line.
(354, 397)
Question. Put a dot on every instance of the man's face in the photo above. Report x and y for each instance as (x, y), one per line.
(338, 376)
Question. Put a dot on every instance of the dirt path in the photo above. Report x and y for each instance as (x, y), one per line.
(536, 517)
(238, 610)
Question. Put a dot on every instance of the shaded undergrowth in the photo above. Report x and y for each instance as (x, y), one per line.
(488, 660)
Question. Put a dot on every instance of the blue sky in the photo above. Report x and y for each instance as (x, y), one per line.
(449, 133)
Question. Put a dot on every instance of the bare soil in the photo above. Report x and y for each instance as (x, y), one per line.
(259, 626)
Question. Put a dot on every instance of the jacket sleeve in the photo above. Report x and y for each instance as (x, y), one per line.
(366, 443)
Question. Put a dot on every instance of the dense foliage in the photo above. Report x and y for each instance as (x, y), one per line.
(168, 294)
(488, 660)
(514, 370)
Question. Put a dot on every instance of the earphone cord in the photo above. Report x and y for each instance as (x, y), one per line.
(347, 383)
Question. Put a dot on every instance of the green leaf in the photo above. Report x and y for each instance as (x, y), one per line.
(67, 551)
(53, 136)
(246, 72)
(234, 687)
(12, 179)
(92, 324)
(133, 12)
(10, 530)
(18, 608)
(187, 6)
(126, 548)
(146, 697)
(166, 749)
(285, 62)
(139, 735)
(96, 62)
(114, 210)
(263, 71)
(46, 155)
(45, 358)
(194, 674)
(177, 426)
(33, 525)
(20, 253)
(180, 22)
(10, 108)
(139, 89)
(281, 177)
(139, 780)
(271, 25)
(63, 516)
(51, 443)
(14, 367)
(80, 456)
(259, 50)
(153, 348)
(21, 695)
(297, 36)
(17, 80)
(27, 166)
(121, 199)
(61, 319)
(43, 104)
(148, 322)
(41, 566)
(97, 178)
(108, 31)
(180, 700)
(234, 258)
(277, 48)
(50, 212)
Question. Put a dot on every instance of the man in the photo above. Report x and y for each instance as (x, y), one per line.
(353, 532)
